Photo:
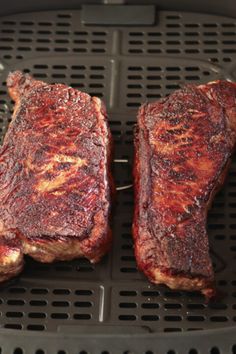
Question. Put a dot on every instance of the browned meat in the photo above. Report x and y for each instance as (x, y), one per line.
(55, 181)
(183, 144)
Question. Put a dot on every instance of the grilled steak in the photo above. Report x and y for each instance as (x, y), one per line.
(183, 145)
(55, 181)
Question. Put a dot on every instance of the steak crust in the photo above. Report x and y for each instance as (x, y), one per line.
(55, 180)
(183, 145)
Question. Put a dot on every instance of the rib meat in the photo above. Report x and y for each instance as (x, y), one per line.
(183, 145)
(55, 181)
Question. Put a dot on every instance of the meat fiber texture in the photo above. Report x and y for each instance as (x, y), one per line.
(55, 181)
(183, 145)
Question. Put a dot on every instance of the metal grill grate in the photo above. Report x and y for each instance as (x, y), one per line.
(124, 67)
(48, 308)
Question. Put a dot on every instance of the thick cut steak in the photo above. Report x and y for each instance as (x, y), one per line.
(55, 181)
(183, 145)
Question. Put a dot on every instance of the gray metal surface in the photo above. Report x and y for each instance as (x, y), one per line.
(124, 66)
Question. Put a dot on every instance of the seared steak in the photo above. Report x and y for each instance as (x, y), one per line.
(183, 145)
(55, 181)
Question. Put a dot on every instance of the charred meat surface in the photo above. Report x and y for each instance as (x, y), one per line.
(183, 145)
(55, 181)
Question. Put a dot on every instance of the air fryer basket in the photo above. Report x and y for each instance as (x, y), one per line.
(75, 307)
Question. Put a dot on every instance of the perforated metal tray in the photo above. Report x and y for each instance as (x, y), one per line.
(76, 307)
